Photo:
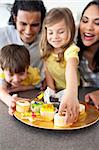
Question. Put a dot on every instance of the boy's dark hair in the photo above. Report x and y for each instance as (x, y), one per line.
(15, 58)
(27, 5)
(82, 46)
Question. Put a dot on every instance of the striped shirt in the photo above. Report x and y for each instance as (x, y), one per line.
(89, 78)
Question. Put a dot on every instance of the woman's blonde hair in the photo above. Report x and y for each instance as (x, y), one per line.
(54, 16)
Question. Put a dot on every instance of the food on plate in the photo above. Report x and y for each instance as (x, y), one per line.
(35, 106)
(47, 111)
(39, 97)
(22, 106)
(59, 120)
(31, 116)
(81, 109)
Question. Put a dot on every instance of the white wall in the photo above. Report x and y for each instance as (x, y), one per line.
(76, 7)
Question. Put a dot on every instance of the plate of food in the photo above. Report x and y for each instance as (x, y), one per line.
(41, 115)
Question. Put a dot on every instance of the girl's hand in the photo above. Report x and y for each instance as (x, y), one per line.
(69, 107)
(94, 96)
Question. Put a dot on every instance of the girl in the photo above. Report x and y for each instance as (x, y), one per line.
(60, 56)
(88, 41)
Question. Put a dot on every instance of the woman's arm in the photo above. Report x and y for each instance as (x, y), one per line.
(70, 102)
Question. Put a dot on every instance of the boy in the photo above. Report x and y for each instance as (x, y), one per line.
(16, 74)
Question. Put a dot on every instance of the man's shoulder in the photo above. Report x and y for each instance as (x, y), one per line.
(8, 35)
(7, 28)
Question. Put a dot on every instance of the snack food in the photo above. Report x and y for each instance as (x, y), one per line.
(22, 106)
(47, 111)
(81, 109)
(35, 106)
(60, 120)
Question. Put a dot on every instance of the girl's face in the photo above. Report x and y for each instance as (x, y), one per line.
(15, 79)
(28, 25)
(89, 26)
(57, 34)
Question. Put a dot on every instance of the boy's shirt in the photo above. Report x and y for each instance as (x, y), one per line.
(33, 77)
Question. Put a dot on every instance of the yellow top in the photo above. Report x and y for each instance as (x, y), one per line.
(33, 77)
(57, 69)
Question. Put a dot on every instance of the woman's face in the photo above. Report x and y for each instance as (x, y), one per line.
(28, 25)
(89, 26)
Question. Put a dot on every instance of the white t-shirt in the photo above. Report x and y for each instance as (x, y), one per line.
(9, 35)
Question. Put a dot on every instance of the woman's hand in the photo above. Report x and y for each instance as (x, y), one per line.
(94, 96)
(69, 107)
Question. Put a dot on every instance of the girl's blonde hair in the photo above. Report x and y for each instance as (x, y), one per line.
(54, 16)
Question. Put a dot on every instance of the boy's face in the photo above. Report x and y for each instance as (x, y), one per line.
(28, 25)
(15, 79)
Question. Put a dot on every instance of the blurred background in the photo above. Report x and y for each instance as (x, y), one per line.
(76, 6)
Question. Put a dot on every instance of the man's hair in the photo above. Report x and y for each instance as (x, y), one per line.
(27, 5)
(15, 58)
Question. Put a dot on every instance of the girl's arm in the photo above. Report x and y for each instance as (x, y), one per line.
(49, 79)
(70, 103)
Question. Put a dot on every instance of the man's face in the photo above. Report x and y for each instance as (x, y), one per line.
(28, 25)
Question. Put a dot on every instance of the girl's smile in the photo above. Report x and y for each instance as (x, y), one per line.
(57, 34)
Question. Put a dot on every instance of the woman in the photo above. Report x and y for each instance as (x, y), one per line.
(88, 41)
